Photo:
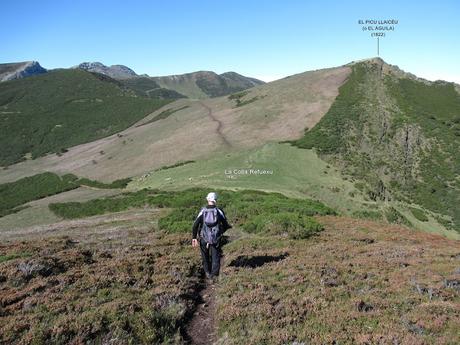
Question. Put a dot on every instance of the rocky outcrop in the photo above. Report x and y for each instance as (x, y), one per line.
(18, 70)
(114, 71)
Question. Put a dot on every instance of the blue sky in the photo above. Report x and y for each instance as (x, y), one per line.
(263, 39)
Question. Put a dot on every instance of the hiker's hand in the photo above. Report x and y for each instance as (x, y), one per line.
(194, 242)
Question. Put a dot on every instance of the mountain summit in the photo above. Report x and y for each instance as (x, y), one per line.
(114, 71)
(18, 70)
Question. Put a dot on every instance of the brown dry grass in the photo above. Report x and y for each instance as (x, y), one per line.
(114, 280)
(358, 282)
(117, 279)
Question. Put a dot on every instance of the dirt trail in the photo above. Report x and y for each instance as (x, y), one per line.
(219, 124)
(200, 329)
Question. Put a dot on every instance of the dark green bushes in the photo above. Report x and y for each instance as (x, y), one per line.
(295, 226)
(368, 214)
(394, 216)
(329, 135)
(35, 187)
(179, 220)
(419, 214)
(15, 194)
(122, 183)
(255, 211)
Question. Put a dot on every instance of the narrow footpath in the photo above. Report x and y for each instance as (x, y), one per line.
(219, 124)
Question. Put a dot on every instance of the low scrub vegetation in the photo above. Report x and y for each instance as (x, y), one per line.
(163, 115)
(288, 224)
(368, 214)
(15, 194)
(384, 285)
(64, 292)
(123, 281)
(394, 216)
(268, 213)
(419, 214)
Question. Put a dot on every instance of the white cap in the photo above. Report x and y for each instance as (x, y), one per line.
(211, 197)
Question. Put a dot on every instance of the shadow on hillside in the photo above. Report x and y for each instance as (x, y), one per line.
(256, 261)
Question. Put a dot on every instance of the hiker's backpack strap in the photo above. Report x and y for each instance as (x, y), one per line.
(221, 213)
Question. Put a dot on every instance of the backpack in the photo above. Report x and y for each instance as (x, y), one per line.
(210, 232)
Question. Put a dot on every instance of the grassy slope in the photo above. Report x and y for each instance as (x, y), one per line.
(20, 203)
(37, 215)
(64, 108)
(275, 116)
(399, 135)
(147, 87)
(296, 172)
(185, 86)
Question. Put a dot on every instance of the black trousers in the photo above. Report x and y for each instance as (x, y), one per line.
(210, 254)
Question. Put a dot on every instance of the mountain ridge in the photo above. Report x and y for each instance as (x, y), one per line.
(18, 70)
(113, 71)
(203, 84)
(387, 146)
(398, 133)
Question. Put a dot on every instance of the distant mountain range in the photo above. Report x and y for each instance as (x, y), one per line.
(204, 84)
(200, 85)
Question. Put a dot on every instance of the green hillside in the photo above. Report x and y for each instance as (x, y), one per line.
(147, 87)
(295, 172)
(399, 135)
(63, 108)
(205, 84)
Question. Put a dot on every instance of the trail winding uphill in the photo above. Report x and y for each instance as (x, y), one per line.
(219, 124)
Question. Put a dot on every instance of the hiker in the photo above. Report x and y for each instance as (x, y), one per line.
(209, 225)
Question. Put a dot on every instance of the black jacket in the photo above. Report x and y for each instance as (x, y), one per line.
(221, 218)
